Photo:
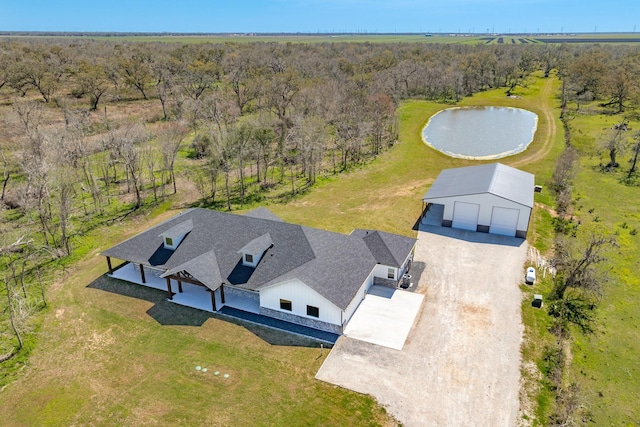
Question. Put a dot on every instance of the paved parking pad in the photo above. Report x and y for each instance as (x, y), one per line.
(385, 317)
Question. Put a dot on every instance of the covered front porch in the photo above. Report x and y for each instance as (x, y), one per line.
(184, 291)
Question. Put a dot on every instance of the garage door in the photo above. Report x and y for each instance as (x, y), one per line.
(504, 221)
(465, 216)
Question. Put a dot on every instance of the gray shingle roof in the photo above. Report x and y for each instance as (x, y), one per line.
(179, 230)
(333, 264)
(494, 178)
(257, 245)
(204, 268)
(388, 249)
(263, 213)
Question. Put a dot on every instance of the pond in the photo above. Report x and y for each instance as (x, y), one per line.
(481, 132)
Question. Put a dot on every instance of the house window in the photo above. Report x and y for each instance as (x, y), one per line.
(169, 241)
(285, 305)
(313, 311)
(248, 258)
(391, 273)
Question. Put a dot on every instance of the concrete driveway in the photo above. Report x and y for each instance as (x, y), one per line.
(385, 317)
(460, 365)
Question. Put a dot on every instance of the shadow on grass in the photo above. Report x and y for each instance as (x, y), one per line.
(169, 313)
(163, 311)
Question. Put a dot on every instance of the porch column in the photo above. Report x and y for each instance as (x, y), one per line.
(169, 288)
(109, 265)
(222, 292)
(144, 280)
(213, 300)
(179, 282)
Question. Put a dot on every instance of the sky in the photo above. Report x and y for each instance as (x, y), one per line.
(312, 16)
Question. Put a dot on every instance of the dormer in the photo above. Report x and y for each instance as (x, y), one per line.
(252, 252)
(172, 238)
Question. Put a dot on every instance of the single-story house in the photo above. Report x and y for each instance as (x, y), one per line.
(492, 198)
(257, 262)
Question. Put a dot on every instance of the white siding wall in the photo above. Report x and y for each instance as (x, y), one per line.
(351, 308)
(381, 271)
(256, 259)
(300, 296)
(487, 202)
(406, 260)
(176, 242)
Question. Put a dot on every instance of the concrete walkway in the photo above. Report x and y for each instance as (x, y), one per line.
(460, 365)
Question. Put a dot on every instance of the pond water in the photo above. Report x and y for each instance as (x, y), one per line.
(481, 132)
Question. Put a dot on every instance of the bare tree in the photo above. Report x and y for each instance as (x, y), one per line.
(170, 136)
(149, 154)
(616, 143)
(263, 139)
(223, 150)
(125, 143)
(576, 263)
(36, 165)
(6, 175)
(312, 136)
(635, 150)
(561, 179)
(12, 312)
(164, 82)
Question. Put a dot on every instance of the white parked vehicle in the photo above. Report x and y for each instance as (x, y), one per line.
(530, 277)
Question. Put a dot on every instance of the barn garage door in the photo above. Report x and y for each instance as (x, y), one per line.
(465, 216)
(504, 221)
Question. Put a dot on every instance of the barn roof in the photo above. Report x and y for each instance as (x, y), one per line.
(494, 178)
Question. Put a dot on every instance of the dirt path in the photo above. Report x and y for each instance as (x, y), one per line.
(550, 134)
(460, 365)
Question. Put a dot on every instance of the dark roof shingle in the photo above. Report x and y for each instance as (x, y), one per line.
(333, 264)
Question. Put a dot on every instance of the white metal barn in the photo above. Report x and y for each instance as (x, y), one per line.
(492, 198)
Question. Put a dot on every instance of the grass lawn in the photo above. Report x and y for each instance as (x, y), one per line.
(606, 362)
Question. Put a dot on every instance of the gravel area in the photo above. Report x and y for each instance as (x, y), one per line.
(460, 365)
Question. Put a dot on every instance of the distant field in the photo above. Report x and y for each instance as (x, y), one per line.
(591, 38)
(449, 38)
(288, 38)
(509, 40)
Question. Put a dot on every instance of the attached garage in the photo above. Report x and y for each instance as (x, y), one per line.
(492, 198)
